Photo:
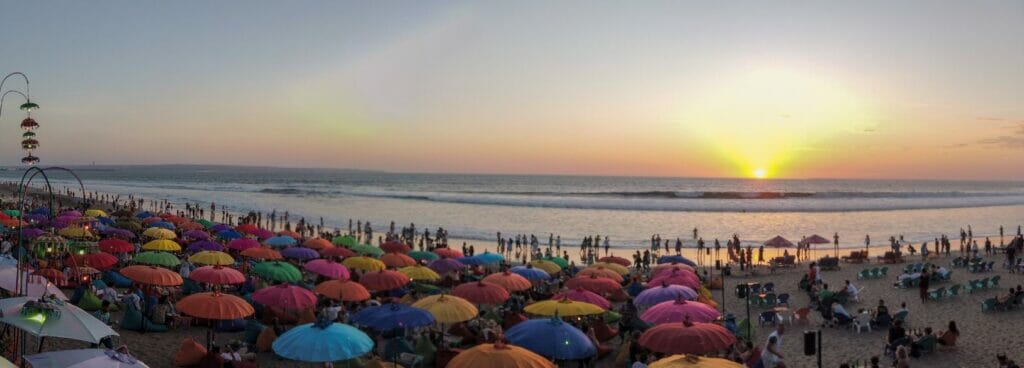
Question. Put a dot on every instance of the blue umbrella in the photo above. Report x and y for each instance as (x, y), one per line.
(392, 317)
(229, 234)
(144, 214)
(40, 211)
(530, 273)
(470, 261)
(105, 220)
(280, 241)
(489, 258)
(551, 338)
(164, 225)
(676, 259)
(299, 253)
(321, 342)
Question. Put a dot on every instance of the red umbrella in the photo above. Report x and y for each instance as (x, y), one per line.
(481, 292)
(510, 281)
(581, 295)
(778, 242)
(99, 261)
(395, 247)
(246, 228)
(676, 277)
(115, 245)
(679, 310)
(55, 276)
(243, 244)
(285, 296)
(617, 260)
(448, 253)
(150, 220)
(593, 283)
(397, 260)
(340, 252)
(687, 338)
(217, 275)
(384, 280)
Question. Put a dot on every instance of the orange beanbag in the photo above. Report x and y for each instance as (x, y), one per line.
(266, 339)
(190, 353)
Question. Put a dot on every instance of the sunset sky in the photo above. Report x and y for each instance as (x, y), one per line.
(860, 89)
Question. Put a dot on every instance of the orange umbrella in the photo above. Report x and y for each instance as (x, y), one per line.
(384, 280)
(593, 283)
(262, 253)
(214, 306)
(499, 355)
(152, 275)
(397, 260)
(246, 228)
(510, 281)
(318, 244)
(600, 271)
(343, 290)
(481, 292)
(616, 260)
(340, 252)
(290, 233)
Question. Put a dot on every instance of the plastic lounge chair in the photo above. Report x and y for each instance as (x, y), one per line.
(766, 318)
(862, 321)
(885, 271)
(989, 304)
(901, 316)
(864, 274)
(953, 291)
(783, 299)
(770, 300)
(994, 281)
(937, 293)
(768, 288)
(988, 267)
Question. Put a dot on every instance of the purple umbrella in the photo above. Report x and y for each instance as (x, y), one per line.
(445, 265)
(300, 253)
(196, 234)
(664, 293)
(678, 311)
(32, 232)
(37, 218)
(327, 268)
(205, 245)
(220, 227)
(243, 244)
(71, 213)
(60, 223)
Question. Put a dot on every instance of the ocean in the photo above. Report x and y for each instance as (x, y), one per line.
(627, 209)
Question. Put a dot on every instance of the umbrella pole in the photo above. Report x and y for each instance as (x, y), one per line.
(41, 339)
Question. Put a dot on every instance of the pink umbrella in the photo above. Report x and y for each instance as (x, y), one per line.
(581, 295)
(594, 284)
(243, 244)
(217, 275)
(665, 271)
(327, 268)
(778, 242)
(285, 296)
(262, 233)
(678, 311)
(677, 277)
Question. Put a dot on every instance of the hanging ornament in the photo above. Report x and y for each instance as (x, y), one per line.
(29, 124)
(31, 160)
(29, 144)
(28, 135)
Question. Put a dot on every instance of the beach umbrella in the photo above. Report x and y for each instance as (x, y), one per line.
(561, 262)
(216, 228)
(84, 358)
(470, 261)
(243, 244)
(815, 239)
(327, 268)
(364, 264)
(52, 274)
(563, 307)
(299, 253)
(228, 234)
(481, 292)
(679, 310)
(367, 250)
(143, 215)
(677, 277)
(677, 259)
(343, 290)
(593, 283)
(32, 232)
(53, 318)
(383, 280)
(262, 233)
(420, 255)
(420, 273)
(120, 233)
(552, 338)
(489, 258)
(687, 338)
(14, 213)
(397, 260)
(206, 223)
(616, 260)
(446, 265)
(150, 220)
(162, 244)
(617, 268)
(345, 241)
(280, 241)
(322, 342)
(285, 296)
(70, 213)
(196, 234)
(277, 271)
(101, 261)
(499, 356)
(530, 273)
(340, 252)
(246, 228)
(261, 253)
(205, 245)
(582, 295)
(152, 275)
(163, 225)
(7, 260)
(395, 247)
(318, 244)
(114, 245)
(448, 253)
(157, 259)
(159, 233)
(510, 281)
(664, 293)
(778, 242)
(75, 232)
(215, 306)
(211, 258)
(12, 223)
(447, 308)
(550, 267)
(664, 270)
(600, 271)
(392, 316)
(694, 361)
(33, 286)
(217, 275)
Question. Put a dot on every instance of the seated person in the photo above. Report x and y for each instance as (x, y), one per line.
(907, 276)
(840, 315)
(881, 309)
(949, 336)
(897, 337)
(825, 295)
(1005, 299)
(851, 289)
(942, 271)
(922, 343)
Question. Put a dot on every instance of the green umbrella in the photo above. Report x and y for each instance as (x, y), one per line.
(561, 262)
(347, 241)
(206, 223)
(425, 288)
(157, 259)
(611, 316)
(420, 255)
(12, 213)
(128, 225)
(277, 271)
(367, 249)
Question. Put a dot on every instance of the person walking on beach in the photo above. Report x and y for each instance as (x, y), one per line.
(922, 286)
(718, 246)
(607, 245)
(694, 233)
(679, 247)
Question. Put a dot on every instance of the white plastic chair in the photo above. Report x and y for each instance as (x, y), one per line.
(862, 321)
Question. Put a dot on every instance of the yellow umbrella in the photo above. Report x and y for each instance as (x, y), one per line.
(159, 233)
(419, 273)
(693, 361)
(563, 307)
(162, 244)
(547, 266)
(96, 213)
(211, 258)
(447, 308)
(499, 355)
(75, 232)
(365, 264)
(619, 269)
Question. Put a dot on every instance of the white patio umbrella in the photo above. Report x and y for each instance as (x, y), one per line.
(66, 321)
(37, 286)
(84, 358)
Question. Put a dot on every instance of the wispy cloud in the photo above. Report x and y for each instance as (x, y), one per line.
(1014, 139)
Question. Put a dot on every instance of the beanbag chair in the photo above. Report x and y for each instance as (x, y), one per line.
(266, 339)
(231, 325)
(190, 353)
(90, 302)
(252, 331)
(116, 279)
(133, 321)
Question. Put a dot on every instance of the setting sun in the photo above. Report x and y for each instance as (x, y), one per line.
(760, 173)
